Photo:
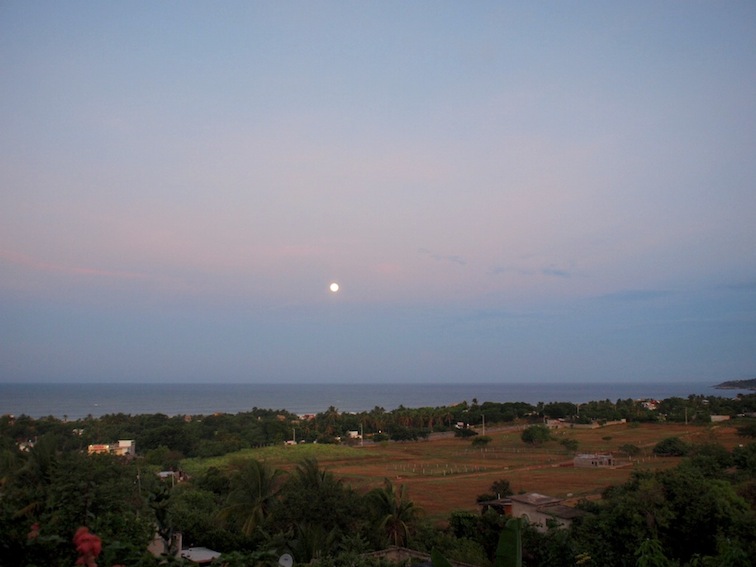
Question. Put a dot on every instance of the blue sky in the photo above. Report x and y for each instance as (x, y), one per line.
(505, 191)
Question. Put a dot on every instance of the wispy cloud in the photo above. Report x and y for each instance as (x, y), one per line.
(441, 258)
(747, 286)
(556, 272)
(52, 267)
(498, 270)
(637, 295)
(551, 271)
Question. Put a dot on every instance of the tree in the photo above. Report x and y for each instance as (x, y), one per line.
(745, 458)
(499, 489)
(569, 444)
(48, 494)
(686, 512)
(465, 432)
(536, 435)
(672, 447)
(711, 459)
(555, 546)
(630, 450)
(509, 551)
(747, 430)
(254, 487)
(650, 554)
(394, 513)
(312, 541)
(193, 512)
(559, 410)
(314, 495)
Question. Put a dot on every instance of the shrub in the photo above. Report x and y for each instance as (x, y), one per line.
(536, 434)
(569, 444)
(481, 441)
(748, 430)
(672, 447)
(465, 432)
(630, 450)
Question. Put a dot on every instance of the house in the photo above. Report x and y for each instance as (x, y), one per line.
(174, 476)
(124, 448)
(588, 460)
(536, 509)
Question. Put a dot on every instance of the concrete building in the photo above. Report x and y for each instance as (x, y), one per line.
(592, 460)
(536, 509)
(124, 448)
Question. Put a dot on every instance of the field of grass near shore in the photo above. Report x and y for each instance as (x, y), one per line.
(446, 474)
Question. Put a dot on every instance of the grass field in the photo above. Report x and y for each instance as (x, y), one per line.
(445, 474)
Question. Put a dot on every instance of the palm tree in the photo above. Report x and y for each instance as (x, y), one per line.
(254, 488)
(309, 475)
(395, 513)
(313, 541)
(377, 419)
(313, 495)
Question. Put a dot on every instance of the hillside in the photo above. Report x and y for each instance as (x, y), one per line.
(749, 384)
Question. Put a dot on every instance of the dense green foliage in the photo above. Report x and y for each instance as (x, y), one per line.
(165, 440)
(701, 512)
(46, 494)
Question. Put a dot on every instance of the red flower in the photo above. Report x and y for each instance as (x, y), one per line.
(34, 532)
(88, 546)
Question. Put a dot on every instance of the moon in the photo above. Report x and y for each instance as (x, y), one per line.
(334, 287)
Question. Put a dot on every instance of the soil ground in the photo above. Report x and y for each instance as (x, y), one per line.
(445, 474)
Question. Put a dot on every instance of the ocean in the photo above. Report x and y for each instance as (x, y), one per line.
(74, 401)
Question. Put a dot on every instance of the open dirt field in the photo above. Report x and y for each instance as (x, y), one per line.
(445, 473)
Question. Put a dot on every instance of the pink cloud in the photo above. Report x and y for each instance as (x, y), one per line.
(40, 266)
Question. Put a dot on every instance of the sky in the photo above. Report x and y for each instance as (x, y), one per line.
(504, 191)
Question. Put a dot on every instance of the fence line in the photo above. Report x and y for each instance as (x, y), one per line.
(437, 469)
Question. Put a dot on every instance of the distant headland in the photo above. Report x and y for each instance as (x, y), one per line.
(749, 384)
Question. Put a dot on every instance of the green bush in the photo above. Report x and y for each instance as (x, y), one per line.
(536, 434)
(481, 441)
(672, 447)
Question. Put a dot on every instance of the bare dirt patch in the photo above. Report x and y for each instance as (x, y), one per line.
(447, 474)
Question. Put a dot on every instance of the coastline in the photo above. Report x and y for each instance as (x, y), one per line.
(76, 401)
(749, 384)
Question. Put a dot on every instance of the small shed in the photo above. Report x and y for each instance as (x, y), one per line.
(593, 460)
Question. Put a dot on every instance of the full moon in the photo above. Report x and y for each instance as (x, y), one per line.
(334, 287)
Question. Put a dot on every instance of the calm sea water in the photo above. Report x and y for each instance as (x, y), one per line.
(79, 400)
